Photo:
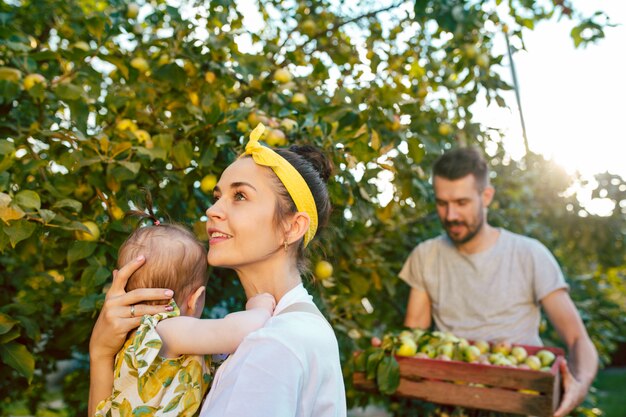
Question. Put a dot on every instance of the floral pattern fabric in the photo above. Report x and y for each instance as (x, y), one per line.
(146, 384)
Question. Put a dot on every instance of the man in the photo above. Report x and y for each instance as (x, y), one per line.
(482, 282)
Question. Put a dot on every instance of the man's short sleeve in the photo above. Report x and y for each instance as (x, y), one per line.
(411, 272)
(547, 273)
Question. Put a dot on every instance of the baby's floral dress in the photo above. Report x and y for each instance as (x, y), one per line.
(145, 384)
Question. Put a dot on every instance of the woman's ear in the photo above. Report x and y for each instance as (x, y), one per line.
(296, 227)
(195, 302)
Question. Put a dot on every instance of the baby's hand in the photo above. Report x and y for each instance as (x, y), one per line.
(264, 300)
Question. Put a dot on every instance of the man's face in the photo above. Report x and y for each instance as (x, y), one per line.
(461, 207)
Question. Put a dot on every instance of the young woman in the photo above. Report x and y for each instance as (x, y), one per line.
(269, 205)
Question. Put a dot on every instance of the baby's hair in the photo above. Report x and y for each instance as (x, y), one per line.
(175, 258)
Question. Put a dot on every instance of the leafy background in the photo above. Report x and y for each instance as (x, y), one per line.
(159, 95)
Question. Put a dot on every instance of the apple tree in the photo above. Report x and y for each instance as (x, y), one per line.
(101, 99)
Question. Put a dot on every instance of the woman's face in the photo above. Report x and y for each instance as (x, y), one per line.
(240, 223)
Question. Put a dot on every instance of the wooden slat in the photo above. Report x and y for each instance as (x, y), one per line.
(496, 376)
(495, 399)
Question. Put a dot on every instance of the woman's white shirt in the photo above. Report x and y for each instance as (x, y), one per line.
(289, 368)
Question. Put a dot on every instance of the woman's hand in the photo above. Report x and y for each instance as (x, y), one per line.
(119, 315)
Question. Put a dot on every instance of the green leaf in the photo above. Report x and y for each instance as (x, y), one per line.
(28, 199)
(173, 403)
(133, 167)
(6, 323)
(8, 213)
(47, 215)
(154, 153)
(12, 334)
(68, 91)
(182, 154)
(372, 363)
(19, 231)
(69, 203)
(144, 411)
(9, 91)
(19, 358)
(388, 375)
(80, 250)
(171, 73)
(163, 140)
(416, 150)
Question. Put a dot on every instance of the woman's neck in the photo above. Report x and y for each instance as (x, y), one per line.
(273, 279)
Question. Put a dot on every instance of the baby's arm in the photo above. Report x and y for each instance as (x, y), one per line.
(189, 335)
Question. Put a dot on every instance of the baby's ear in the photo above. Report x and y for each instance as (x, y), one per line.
(195, 301)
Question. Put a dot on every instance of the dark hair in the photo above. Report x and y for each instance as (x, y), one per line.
(460, 162)
(175, 258)
(316, 169)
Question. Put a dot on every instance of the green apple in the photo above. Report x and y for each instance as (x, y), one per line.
(208, 182)
(323, 270)
(533, 362)
(299, 98)
(308, 27)
(32, 79)
(210, 77)
(142, 136)
(407, 348)
(546, 357)
(471, 353)
(133, 11)
(429, 350)
(446, 349)
(519, 353)
(289, 125)
(140, 64)
(482, 60)
(282, 75)
(495, 357)
(482, 345)
(92, 235)
(503, 347)
(276, 137)
(444, 129)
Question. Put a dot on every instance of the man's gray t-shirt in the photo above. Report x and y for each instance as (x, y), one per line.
(492, 295)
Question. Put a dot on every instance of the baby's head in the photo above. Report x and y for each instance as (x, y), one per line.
(175, 259)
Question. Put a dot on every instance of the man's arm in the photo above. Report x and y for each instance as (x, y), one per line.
(582, 366)
(418, 310)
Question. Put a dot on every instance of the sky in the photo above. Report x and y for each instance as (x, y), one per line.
(572, 98)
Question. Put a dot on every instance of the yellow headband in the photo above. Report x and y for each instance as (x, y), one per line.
(288, 175)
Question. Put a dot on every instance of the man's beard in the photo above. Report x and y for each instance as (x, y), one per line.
(471, 232)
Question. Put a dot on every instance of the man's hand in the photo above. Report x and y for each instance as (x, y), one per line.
(574, 394)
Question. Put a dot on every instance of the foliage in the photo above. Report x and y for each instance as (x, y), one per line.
(102, 98)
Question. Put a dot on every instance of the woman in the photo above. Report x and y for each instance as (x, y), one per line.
(268, 207)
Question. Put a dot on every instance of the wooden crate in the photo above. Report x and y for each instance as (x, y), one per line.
(454, 383)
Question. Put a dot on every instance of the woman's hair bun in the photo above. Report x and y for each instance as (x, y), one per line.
(316, 157)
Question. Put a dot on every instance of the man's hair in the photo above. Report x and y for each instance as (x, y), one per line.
(460, 162)
(175, 259)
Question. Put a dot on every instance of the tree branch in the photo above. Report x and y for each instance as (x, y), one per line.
(341, 24)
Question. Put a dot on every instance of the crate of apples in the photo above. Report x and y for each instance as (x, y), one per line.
(442, 368)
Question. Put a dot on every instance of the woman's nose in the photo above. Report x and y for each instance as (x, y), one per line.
(214, 211)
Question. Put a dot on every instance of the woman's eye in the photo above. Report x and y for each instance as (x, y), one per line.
(239, 196)
(216, 197)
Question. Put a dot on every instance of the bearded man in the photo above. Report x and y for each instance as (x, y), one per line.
(483, 282)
